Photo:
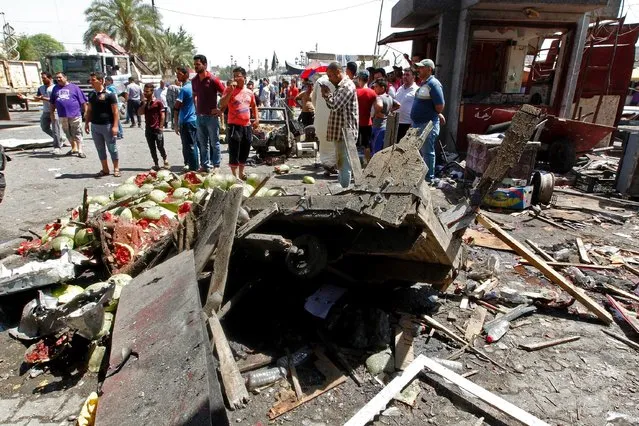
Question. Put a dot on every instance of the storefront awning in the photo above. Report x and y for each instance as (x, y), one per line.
(408, 35)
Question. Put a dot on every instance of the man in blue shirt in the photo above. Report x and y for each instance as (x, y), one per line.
(185, 123)
(427, 107)
(110, 87)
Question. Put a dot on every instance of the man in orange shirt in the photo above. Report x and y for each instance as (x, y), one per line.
(292, 93)
(241, 104)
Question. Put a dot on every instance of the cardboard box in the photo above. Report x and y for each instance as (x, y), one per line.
(515, 198)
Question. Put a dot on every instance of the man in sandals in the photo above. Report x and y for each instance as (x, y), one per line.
(70, 103)
(154, 116)
(241, 103)
(103, 117)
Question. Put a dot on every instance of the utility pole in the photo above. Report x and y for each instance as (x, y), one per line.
(379, 29)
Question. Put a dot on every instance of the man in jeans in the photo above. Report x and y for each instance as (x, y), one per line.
(70, 103)
(133, 99)
(103, 116)
(184, 122)
(205, 90)
(342, 118)
(49, 124)
(427, 107)
(112, 89)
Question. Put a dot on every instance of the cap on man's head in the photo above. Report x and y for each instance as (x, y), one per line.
(426, 63)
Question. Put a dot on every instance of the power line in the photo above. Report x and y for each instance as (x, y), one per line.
(280, 18)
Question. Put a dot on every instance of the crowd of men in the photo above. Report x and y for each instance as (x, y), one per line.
(344, 105)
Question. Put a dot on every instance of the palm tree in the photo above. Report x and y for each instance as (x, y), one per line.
(131, 23)
(172, 50)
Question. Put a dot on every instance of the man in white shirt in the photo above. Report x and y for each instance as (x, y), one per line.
(160, 94)
(405, 96)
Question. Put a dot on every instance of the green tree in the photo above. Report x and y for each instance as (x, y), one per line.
(131, 23)
(171, 50)
(36, 47)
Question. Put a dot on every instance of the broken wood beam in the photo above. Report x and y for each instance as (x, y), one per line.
(512, 146)
(256, 221)
(259, 186)
(631, 269)
(293, 372)
(633, 345)
(550, 222)
(223, 250)
(547, 344)
(267, 242)
(235, 299)
(233, 382)
(583, 254)
(540, 251)
(620, 292)
(576, 265)
(451, 335)
(253, 362)
(546, 269)
(379, 402)
(475, 324)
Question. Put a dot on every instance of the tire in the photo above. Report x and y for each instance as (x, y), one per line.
(562, 156)
(311, 262)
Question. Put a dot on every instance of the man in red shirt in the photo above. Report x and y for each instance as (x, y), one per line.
(365, 99)
(241, 104)
(154, 116)
(292, 93)
(205, 90)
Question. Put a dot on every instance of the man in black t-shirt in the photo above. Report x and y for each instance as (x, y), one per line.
(102, 114)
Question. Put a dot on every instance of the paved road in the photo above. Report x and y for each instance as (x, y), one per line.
(42, 187)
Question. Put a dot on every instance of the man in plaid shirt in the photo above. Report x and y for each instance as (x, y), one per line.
(343, 118)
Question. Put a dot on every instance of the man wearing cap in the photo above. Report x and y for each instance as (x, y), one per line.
(428, 105)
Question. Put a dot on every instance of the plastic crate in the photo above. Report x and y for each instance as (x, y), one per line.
(587, 183)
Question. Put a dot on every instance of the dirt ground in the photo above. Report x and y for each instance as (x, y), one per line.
(591, 381)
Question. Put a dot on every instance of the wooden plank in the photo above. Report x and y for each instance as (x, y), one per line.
(379, 401)
(583, 254)
(476, 323)
(484, 395)
(253, 362)
(256, 221)
(540, 251)
(546, 269)
(293, 372)
(473, 237)
(633, 345)
(267, 242)
(620, 292)
(234, 388)
(333, 377)
(630, 317)
(404, 352)
(159, 318)
(510, 150)
(235, 299)
(207, 230)
(547, 344)
(576, 265)
(259, 186)
(223, 250)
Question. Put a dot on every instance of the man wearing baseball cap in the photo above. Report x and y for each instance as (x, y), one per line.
(427, 107)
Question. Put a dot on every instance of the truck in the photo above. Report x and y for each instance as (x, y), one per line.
(111, 59)
(17, 77)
